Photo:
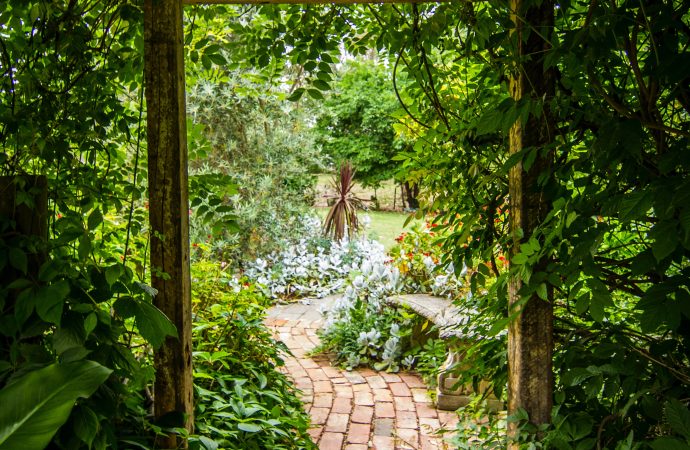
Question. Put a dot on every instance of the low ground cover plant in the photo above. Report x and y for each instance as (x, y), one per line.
(312, 265)
(243, 401)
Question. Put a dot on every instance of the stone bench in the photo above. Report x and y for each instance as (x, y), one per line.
(447, 318)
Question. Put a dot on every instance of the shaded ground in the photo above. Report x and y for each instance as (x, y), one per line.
(359, 409)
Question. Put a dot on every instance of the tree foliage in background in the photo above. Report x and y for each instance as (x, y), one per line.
(244, 134)
(356, 121)
(617, 229)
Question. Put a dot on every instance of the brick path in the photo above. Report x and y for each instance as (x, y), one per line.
(360, 409)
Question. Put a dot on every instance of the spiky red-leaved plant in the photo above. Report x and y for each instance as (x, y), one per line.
(343, 214)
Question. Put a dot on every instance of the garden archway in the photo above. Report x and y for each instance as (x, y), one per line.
(530, 340)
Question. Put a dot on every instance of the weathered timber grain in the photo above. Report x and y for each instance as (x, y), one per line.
(169, 206)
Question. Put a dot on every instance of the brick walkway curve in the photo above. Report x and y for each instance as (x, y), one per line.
(360, 409)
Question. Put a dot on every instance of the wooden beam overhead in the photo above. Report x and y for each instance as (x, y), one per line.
(301, 2)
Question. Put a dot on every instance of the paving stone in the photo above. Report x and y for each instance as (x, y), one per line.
(406, 419)
(361, 388)
(317, 375)
(331, 441)
(362, 414)
(356, 447)
(383, 427)
(364, 399)
(420, 395)
(319, 415)
(337, 422)
(412, 381)
(342, 405)
(343, 391)
(359, 433)
(376, 382)
(323, 400)
(383, 443)
(426, 410)
(399, 389)
(428, 426)
(384, 410)
(408, 438)
(391, 377)
(403, 403)
(354, 377)
(359, 409)
(315, 433)
(429, 443)
(323, 387)
(382, 395)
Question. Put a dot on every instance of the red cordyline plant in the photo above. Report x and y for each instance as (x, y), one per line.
(343, 214)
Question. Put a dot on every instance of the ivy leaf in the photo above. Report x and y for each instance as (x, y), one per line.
(315, 94)
(678, 417)
(50, 299)
(321, 85)
(520, 258)
(18, 259)
(635, 205)
(85, 423)
(296, 95)
(112, 273)
(669, 443)
(95, 219)
(665, 239)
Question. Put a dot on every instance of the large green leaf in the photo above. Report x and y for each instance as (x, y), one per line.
(36, 405)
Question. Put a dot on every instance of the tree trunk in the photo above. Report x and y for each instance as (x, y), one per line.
(29, 220)
(411, 192)
(168, 211)
(530, 334)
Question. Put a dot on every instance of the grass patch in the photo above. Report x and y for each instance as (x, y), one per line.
(385, 225)
(385, 193)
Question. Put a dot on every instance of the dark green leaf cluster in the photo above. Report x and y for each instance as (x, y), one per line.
(73, 239)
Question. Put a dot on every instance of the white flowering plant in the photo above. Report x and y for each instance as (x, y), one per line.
(313, 266)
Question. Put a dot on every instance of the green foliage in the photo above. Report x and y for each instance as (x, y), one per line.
(427, 358)
(355, 122)
(612, 253)
(375, 335)
(243, 400)
(75, 295)
(250, 163)
(38, 403)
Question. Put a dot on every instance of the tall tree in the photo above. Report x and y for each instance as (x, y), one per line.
(356, 121)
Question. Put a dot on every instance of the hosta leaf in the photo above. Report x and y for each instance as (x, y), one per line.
(249, 427)
(35, 406)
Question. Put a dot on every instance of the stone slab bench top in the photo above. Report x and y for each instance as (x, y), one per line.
(441, 311)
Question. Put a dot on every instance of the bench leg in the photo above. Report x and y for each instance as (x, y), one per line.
(450, 395)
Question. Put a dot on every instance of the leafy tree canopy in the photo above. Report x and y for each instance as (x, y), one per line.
(356, 121)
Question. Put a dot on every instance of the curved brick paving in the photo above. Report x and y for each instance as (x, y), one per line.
(360, 409)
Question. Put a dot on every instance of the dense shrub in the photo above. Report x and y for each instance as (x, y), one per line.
(243, 401)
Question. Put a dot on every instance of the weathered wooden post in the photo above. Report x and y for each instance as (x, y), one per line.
(168, 207)
(530, 335)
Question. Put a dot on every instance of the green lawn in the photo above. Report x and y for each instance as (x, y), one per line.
(385, 226)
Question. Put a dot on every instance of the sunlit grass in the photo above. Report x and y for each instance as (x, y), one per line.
(385, 226)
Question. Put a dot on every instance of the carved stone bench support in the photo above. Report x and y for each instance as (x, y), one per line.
(450, 394)
(441, 312)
